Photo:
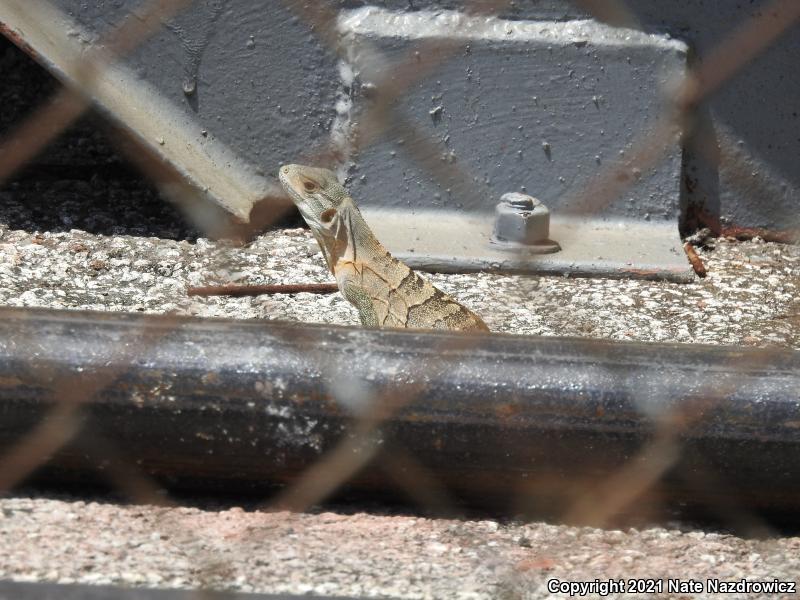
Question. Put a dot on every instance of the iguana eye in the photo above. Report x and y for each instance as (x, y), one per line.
(310, 186)
(327, 215)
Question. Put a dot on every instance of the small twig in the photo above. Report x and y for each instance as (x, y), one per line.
(257, 290)
(695, 260)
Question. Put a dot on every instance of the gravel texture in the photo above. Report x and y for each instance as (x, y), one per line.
(360, 554)
(749, 296)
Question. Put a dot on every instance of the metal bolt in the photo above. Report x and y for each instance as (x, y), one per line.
(522, 221)
(189, 87)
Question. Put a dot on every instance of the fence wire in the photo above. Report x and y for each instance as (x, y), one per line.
(592, 502)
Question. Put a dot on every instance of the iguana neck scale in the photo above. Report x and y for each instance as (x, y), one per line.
(385, 291)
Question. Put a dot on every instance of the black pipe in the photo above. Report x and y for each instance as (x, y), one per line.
(517, 422)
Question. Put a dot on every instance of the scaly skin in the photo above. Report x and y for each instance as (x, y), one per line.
(385, 291)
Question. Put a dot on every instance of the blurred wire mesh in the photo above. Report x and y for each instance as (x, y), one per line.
(595, 503)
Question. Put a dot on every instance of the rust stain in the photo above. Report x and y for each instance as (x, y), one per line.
(16, 38)
(507, 410)
(643, 272)
(747, 233)
(210, 379)
(10, 382)
(257, 290)
(695, 260)
(537, 564)
(697, 218)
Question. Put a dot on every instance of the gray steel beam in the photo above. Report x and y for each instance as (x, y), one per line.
(59, 41)
(543, 99)
(538, 106)
(742, 163)
(226, 92)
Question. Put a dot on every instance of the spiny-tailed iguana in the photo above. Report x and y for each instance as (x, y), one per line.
(385, 291)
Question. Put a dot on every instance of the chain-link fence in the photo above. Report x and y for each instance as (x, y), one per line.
(581, 432)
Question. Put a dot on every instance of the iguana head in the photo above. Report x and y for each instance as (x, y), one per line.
(318, 195)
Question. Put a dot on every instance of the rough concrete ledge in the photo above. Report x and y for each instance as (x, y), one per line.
(749, 297)
(375, 556)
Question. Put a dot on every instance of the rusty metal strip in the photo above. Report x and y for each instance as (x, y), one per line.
(495, 420)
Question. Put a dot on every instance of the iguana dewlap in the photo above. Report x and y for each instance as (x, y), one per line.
(385, 291)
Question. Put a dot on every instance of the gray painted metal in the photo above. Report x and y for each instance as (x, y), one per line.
(217, 172)
(541, 107)
(228, 91)
(522, 220)
(613, 248)
(742, 164)
(743, 161)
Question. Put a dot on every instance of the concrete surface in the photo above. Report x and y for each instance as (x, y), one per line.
(749, 296)
(359, 554)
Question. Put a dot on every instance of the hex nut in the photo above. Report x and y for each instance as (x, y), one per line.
(523, 221)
